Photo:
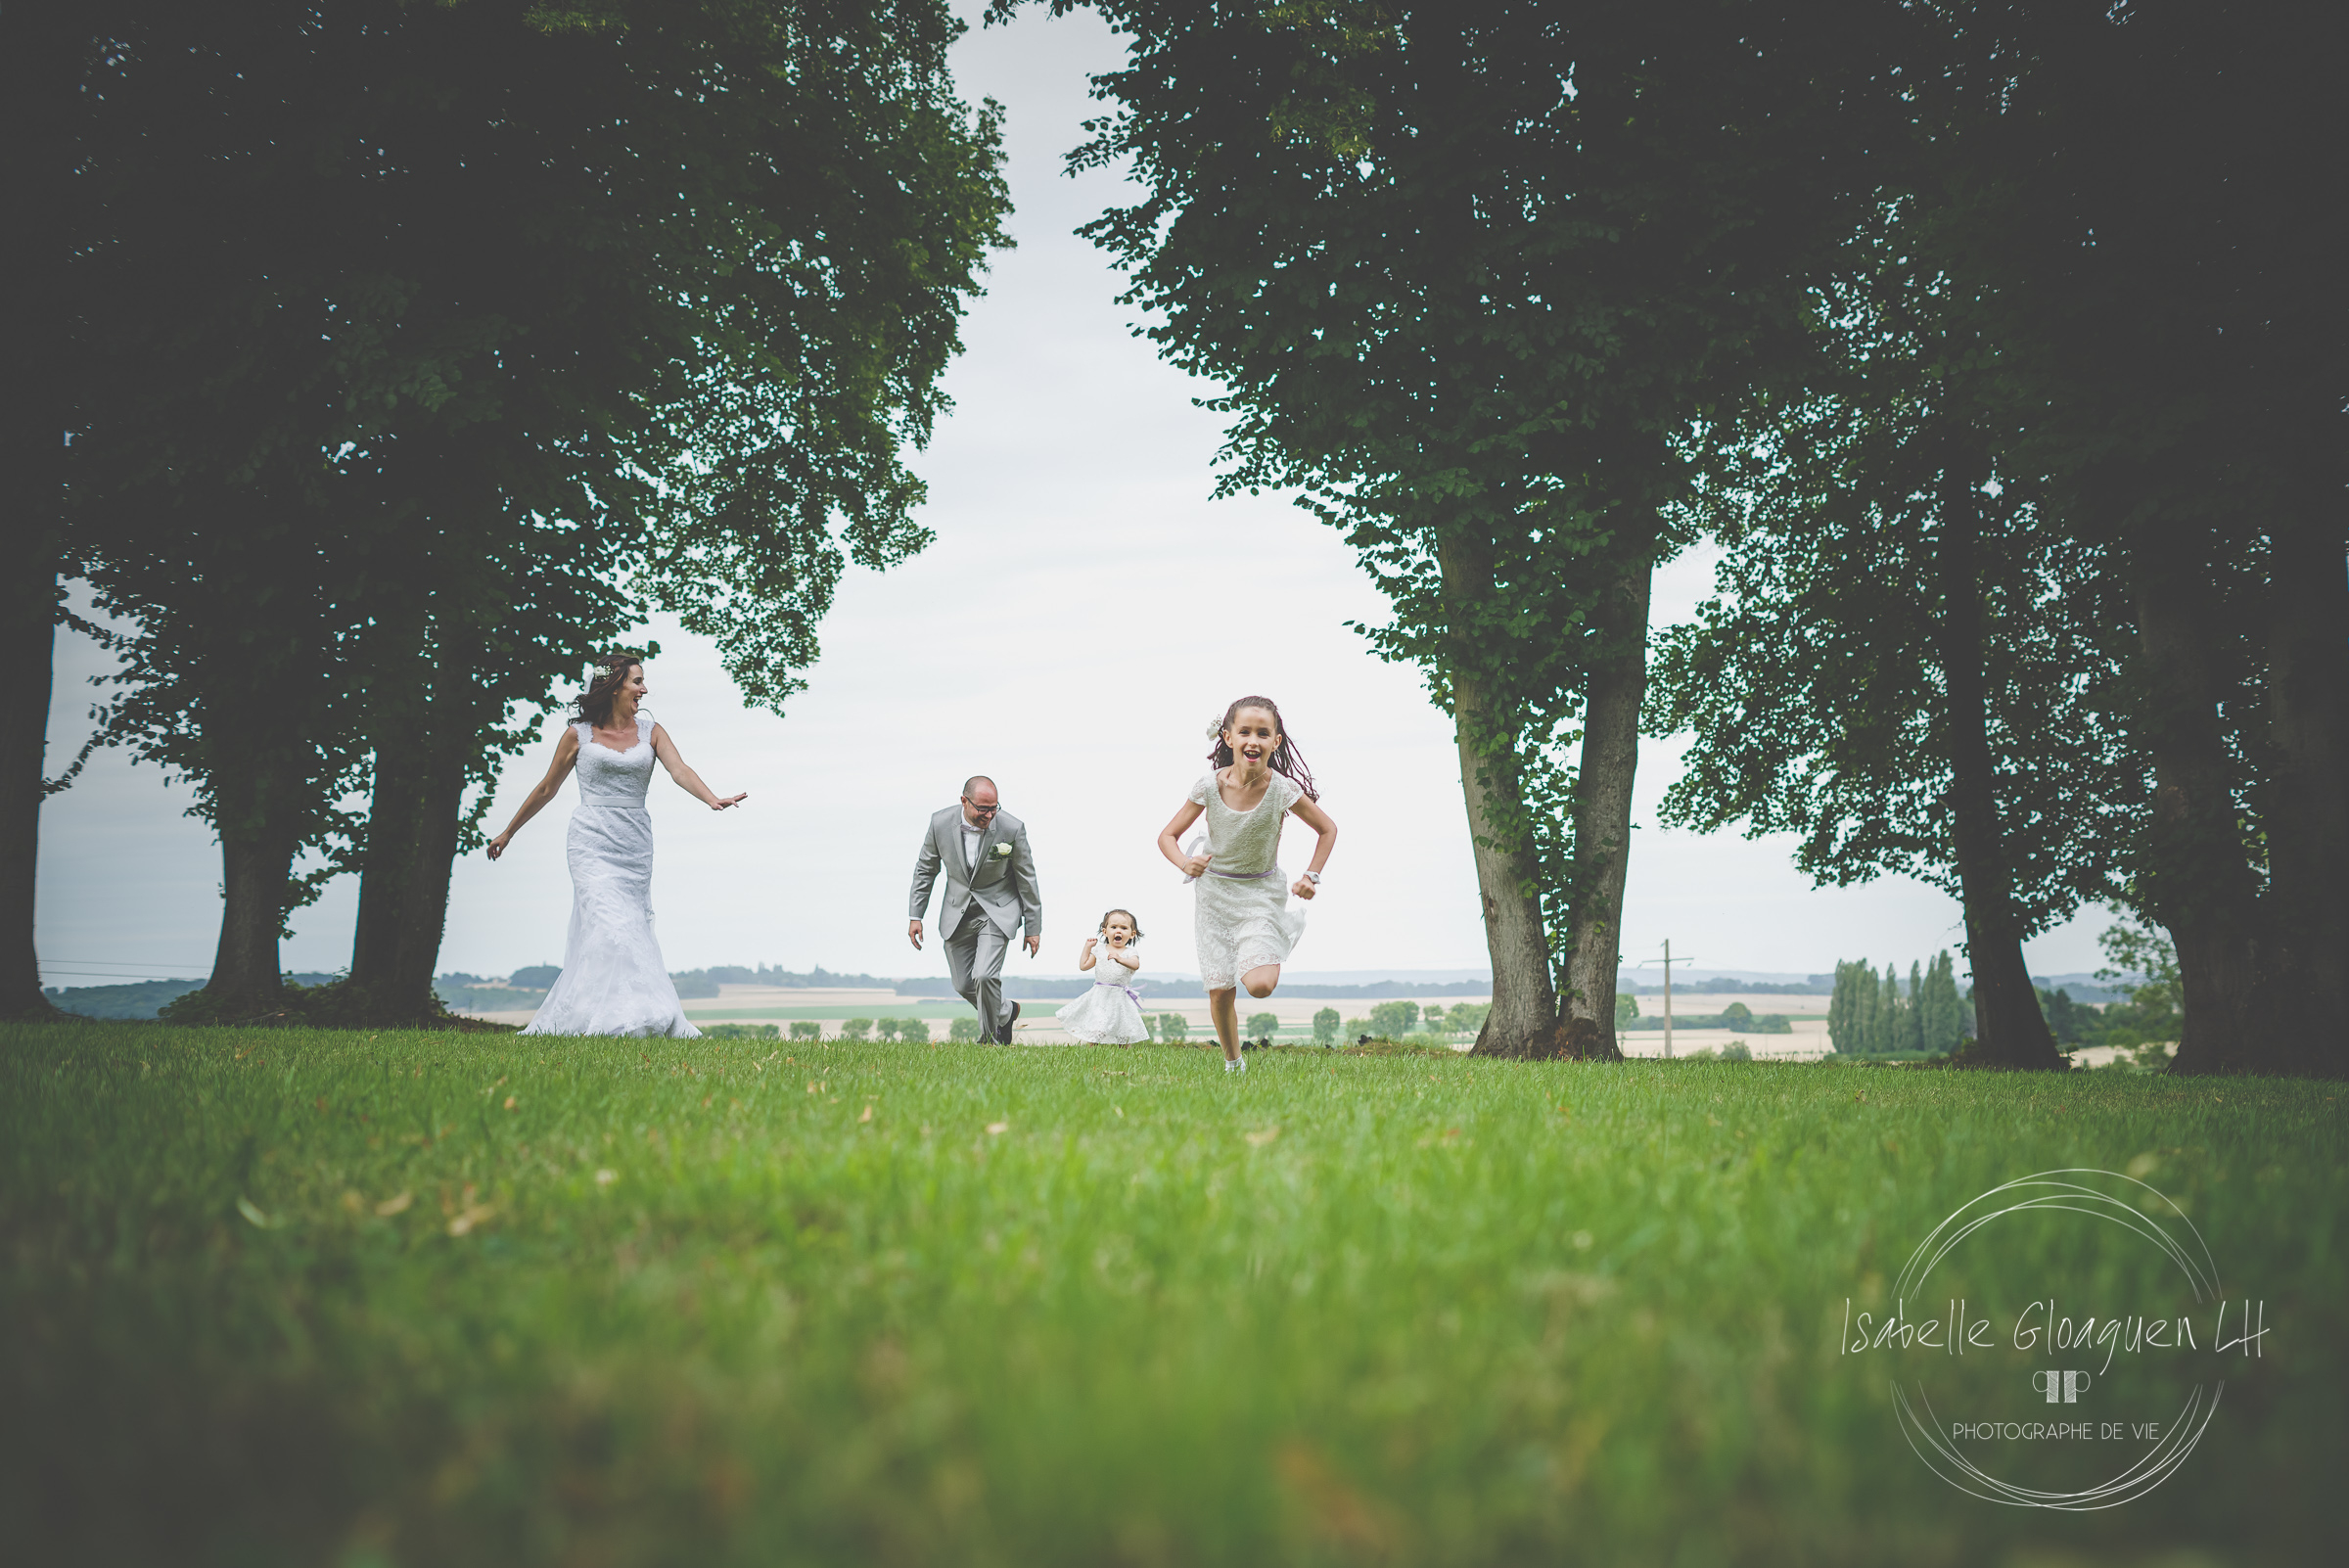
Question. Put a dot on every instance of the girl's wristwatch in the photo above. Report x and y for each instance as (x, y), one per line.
(1314, 877)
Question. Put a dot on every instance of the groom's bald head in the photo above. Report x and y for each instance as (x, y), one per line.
(975, 783)
(979, 802)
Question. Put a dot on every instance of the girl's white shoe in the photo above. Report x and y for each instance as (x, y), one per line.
(1240, 1066)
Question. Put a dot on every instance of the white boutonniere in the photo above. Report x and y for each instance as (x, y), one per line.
(1002, 851)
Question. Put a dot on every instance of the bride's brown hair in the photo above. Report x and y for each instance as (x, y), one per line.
(595, 705)
(1286, 760)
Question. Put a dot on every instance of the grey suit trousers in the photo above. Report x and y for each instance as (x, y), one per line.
(974, 964)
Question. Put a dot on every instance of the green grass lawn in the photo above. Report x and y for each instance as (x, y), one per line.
(337, 1298)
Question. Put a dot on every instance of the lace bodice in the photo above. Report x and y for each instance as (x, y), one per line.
(614, 778)
(1245, 843)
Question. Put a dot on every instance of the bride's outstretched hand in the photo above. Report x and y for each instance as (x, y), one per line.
(719, 804)
(498, 846)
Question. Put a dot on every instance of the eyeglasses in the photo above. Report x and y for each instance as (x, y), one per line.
(982, 811)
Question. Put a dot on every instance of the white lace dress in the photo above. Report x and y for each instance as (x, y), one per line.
(1109, 1014)
(1243, 920)
(613, 979)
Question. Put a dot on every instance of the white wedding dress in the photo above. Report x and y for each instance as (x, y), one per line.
(613, 979)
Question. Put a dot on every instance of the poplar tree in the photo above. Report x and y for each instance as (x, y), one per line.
(1849, 1006)
(1940, 1012)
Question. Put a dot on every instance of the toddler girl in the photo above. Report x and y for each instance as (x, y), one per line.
(1111, 1013)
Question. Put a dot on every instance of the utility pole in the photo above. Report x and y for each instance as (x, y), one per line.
(1667, 999)
(1668, 960)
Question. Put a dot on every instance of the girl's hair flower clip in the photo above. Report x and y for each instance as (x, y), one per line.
(1214, 730)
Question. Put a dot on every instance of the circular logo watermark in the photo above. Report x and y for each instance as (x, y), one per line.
(2060, 1342)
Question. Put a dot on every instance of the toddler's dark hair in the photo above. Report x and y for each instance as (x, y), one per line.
(1103, 928)
(1286, 760)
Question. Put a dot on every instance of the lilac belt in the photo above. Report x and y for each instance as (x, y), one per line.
(1243, 876)
(1110, 985)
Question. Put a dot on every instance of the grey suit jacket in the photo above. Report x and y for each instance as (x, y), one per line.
(1003, 883)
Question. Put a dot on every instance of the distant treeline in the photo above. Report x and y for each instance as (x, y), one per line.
(139, 999)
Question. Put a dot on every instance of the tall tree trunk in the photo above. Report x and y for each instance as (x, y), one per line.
(27, 643)
(42, 80)
(412, 829)
(1524, 1020)
(256, 859)
(2197, 879)
(2010, 1030)
(1602, 812)
(2307, 820)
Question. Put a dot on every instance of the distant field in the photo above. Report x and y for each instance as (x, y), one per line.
(904, 1008)
(405, 1299)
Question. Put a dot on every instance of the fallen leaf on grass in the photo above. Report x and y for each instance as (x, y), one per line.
(1333, 1508)
(247, 1208)
(397, 1204)
(866, 1116)
(473, 1213)
(509, 1102)
(993, 1128)
(1264, 1136)
(604, 1179)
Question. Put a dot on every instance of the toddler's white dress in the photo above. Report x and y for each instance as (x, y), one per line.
(1243, 917)
(1109, 1014)
(613, 979)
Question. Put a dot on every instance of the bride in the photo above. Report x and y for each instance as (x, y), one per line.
(613, 979)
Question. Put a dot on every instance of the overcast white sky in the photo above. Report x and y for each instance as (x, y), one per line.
(1086, 610)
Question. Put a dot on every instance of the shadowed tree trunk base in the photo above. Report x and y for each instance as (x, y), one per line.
(412, 832)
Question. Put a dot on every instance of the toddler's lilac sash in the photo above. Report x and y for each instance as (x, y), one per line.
(1110, 985)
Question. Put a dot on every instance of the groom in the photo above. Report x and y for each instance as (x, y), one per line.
(990, 891)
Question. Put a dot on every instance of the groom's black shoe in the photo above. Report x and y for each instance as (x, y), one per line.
(1008, 1022)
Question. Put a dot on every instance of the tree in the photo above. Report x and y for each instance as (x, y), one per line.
(2073, 1024)
(2160, 333)
(520, 351)
(1913, 1018)
(1849, 1008)
(43, 67)
(1736, 1015)
(1939, 1014)
(1325, 1027)
(2186, 390)
(2136, 955)
(914, 1030)
(1263, 1026)
(1466, 270)
(963, 1030)
(889, 1027)
(1904, 664)
(1467, 1018)
(857, 1028)
(1392, 1020)
(1172, 1027)
(1627, 1008)
(806, 1029)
